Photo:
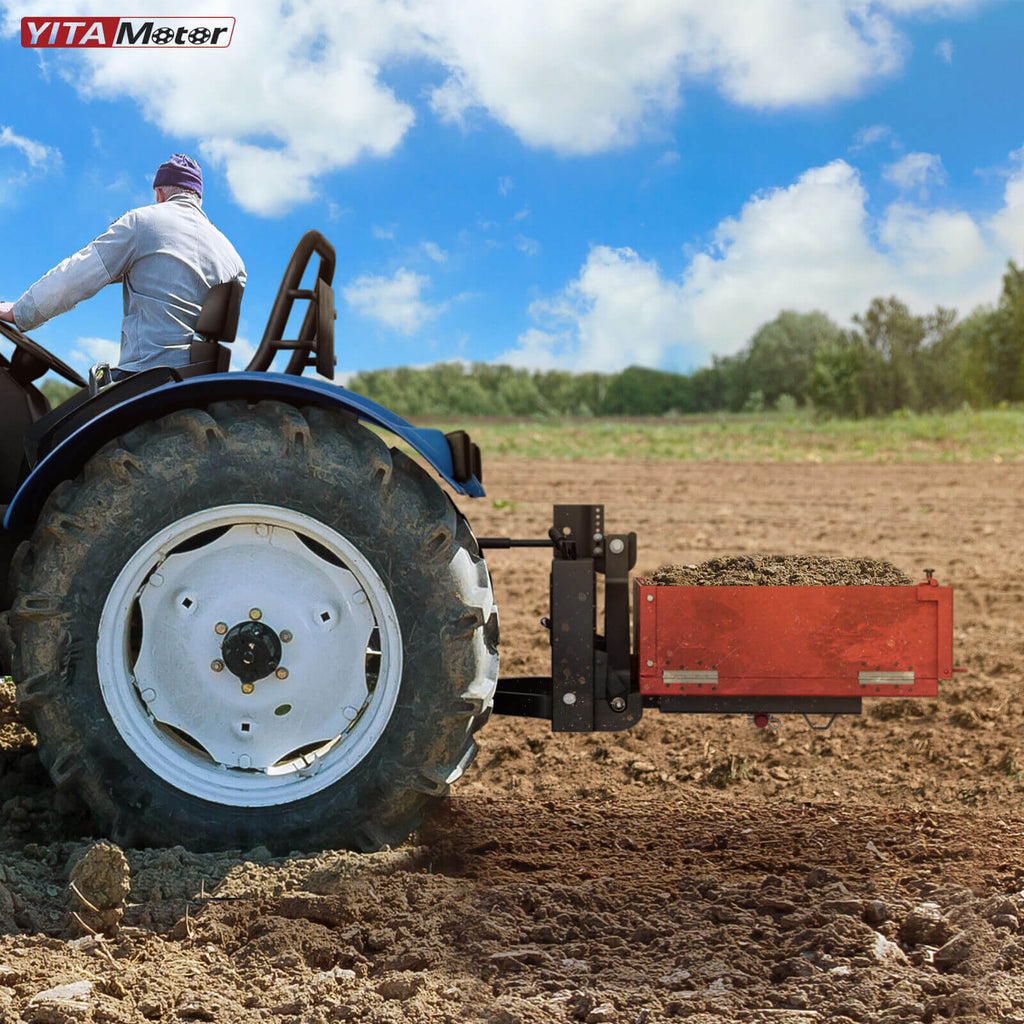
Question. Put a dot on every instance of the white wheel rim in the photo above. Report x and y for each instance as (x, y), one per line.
(177, 698)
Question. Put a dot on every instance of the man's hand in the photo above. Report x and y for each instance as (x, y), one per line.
(7, 312)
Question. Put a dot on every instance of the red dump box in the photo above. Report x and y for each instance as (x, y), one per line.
(821, 641)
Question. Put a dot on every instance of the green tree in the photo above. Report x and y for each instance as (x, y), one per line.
(781, 355)
(836, 380)
(942, 362)
(641, 391)
(56, 391)
(994, 340)
(892, 336)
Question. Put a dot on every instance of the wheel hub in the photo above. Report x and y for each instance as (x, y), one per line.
(165, 650)
(251, 650)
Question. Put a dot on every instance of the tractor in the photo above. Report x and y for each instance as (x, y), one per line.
(236, 617)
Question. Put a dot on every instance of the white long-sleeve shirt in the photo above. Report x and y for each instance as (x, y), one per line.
(167, 256)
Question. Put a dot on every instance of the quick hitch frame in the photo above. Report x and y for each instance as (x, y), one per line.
(592, 686)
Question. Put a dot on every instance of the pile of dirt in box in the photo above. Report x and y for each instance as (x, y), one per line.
(780, 570)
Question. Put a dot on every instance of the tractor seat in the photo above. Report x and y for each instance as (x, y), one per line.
(217, 324)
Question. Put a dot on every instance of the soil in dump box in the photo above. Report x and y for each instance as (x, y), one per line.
(779, 571)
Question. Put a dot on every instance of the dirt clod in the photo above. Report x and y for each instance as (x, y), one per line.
(98, 887)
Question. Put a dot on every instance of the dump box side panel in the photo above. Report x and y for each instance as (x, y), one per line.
(858, 641)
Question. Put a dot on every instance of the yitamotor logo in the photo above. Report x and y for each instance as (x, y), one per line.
(168, 33)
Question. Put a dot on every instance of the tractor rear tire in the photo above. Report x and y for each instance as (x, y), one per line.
(254, 624)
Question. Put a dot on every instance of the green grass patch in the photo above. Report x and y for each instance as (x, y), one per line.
(962, 436)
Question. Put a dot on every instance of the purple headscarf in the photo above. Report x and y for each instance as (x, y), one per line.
(182, 171)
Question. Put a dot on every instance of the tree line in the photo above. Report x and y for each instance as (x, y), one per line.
(889, 359)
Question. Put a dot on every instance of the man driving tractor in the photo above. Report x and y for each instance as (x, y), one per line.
(167, 255)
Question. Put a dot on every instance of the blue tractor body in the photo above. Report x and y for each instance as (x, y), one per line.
(67, 456)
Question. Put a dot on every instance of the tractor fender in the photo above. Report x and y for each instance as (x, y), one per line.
(73, 452)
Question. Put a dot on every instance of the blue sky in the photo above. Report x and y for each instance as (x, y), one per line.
(584, 184)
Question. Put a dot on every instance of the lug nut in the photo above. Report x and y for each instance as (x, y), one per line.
(255, 614)
(247, 687)
(217, 665)
(221, 628)
(286, 636)
(281, 673)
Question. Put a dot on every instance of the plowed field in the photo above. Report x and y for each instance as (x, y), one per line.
(691, 869)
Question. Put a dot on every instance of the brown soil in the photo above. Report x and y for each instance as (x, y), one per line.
(693, 868)
(779, 571)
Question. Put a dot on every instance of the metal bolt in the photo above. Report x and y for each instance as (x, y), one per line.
(221, 628)
(617, 546)
(568, 698)
(217, 665)
(650, 664)
(247, 687)
(286, 636)
(618, 703)
(650, 597)
(255, 614)
(281, 673)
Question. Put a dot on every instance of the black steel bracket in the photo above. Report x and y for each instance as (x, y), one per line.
(754, 705)
(593, 685)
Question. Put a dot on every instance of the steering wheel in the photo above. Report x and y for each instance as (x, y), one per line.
(30, 360)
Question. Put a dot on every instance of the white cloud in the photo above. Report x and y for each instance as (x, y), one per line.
(932, 244)
(24, 160)
(944, 50)
(811, 245)
(395, 302)
(302, 90)
(87, 351)
(915, 170)
(40, 157)
(581, 76)
(296, 95)
(529, 246)
(934, 7)
(242, 351)
(805, 246)
(870, 135)
(1008, 223)
(619, 310)
(433, 251)
(505, 185)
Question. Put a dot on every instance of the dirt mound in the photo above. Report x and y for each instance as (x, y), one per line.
(779, 571)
